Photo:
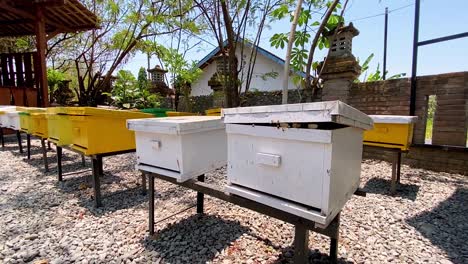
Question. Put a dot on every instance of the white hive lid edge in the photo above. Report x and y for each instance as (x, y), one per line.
(393, 119)
(330, 111)
(176, 125)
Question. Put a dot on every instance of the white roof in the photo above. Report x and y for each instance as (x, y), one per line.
(176, 125)
(331, 111)
(393, 119)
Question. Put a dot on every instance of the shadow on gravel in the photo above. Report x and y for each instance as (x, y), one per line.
(130, 196)
(382, 186)
(446, 226)
(195, 239)
(315, 256)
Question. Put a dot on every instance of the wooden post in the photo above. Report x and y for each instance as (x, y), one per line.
(59, 163)
(151, 203)
(200, 196)
(41, 45)
(301, 244)
(97, 163)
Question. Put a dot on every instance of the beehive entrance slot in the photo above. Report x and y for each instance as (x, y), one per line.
(161, 168)
(316, 125)
(309, 208)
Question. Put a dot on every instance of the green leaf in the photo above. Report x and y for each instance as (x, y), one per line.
(280, 12)
(279, 40)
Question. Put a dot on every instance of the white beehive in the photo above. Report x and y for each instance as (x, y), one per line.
(301, 158)
(12, 120)
(180, 147)
(3, 117)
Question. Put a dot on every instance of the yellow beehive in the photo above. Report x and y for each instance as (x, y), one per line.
(97, 130)
(38, 125)
(59, 126)
(213, 112)
(390, 132)
(25, 117)
(173, 113)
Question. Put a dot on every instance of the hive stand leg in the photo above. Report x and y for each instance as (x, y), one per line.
(151, 204)
(59, 162)
(28, 145)
(18, 136)
(83, 160)
(334, 241)
(2, 138)
(394, 173)
(44, 155)
(398, 166)
(200, 196)
(143, 183)
(96, 183)
(301, 244)
(101, 169)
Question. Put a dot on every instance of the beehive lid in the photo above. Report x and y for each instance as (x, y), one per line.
(57, 110)
(176, 125)
(7, 107)
(393, 119)
(12, 113)
(103, 112)
(31, 109)
(331, 111)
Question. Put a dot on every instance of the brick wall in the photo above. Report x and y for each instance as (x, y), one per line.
(392, 97)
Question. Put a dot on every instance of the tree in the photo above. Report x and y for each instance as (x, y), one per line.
(302, 56)
(229, 23)
(142, 79)
(288, 52)
(125, 28)
(127, 93)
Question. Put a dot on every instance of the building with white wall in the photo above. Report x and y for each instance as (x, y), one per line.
(267, 73)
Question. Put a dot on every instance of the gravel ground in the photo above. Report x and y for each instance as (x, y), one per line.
(43, 221)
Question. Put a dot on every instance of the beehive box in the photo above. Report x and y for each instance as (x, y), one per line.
(391, 131)
(59, 126)
(38, 125)
(213, 112)
(98, 130)
(25, 117)
(157, 112)
(301, 158)
(180, 147)
(4, 109)
(173, 113)
(12, 120)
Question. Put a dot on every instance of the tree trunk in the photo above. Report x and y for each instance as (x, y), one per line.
(288, 52)
(308, 81)
(231, 83)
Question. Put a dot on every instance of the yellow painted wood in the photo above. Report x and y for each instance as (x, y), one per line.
(173, 113)
(97, 131)
(25, 117)
(38, 125)
(213, 112)
(389, 135)
(59, 126)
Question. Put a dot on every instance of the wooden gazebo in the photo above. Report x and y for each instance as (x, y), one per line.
(23, 76)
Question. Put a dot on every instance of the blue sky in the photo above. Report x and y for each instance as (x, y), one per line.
(438, 18)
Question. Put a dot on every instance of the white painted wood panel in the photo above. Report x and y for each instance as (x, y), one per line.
(180, 147)
(296, 169)
(13, 120)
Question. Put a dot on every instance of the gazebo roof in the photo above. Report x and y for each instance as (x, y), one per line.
(18, 17)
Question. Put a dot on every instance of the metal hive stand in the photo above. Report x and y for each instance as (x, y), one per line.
(302, 225)
(97, 168)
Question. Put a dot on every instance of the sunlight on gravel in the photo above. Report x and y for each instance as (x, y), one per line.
(44, 221)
